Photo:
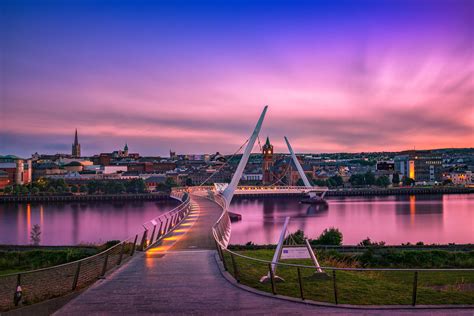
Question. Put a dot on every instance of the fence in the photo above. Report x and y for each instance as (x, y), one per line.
(339, 285)
(43, 284)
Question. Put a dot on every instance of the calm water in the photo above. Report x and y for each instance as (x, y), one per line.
(393, 219)
(77, 223)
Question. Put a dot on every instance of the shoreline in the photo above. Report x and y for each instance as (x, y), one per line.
(166, 196)
(84, 198)
(375, 192)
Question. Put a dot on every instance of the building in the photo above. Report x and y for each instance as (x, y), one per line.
(268, 162)
(19, 170)
(4, 179)
(385, 166)
(252, 176)
(421, 167)
(460, 177)
(76, 147)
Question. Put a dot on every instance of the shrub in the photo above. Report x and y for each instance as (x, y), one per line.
(331, 236)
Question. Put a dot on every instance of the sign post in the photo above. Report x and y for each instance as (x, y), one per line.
(291, 252)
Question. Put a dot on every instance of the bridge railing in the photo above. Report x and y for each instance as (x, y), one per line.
(42, 284)
(344, 285)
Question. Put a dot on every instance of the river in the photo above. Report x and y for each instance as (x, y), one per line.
(393, 219)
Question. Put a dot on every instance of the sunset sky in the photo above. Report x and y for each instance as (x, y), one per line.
(193, 76)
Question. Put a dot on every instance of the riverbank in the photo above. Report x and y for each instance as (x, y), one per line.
(351, 280)
(84, 197)
(372, 192)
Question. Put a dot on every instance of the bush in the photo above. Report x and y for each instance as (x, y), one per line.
(298, 237)
(331, 236)
(367, 243)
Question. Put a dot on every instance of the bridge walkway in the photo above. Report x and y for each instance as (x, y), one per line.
(181, 276)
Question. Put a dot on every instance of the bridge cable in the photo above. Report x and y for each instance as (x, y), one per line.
(226, 163)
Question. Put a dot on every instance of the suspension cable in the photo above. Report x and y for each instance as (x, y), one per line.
(226, 163)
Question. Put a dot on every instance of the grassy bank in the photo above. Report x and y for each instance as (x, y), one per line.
(362, 287)
(12, 261)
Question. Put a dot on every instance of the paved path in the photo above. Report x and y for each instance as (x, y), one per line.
(181, 276)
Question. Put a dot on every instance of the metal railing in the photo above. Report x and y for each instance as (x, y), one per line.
(42, 284)
(342, 285)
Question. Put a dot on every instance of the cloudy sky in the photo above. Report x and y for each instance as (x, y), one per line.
(194, 76)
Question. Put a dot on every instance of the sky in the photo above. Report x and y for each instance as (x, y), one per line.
(193, 76)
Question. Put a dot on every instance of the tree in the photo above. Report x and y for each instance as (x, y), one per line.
(300, 182)
(331, 236)
(448, 182)
(383, 181)
(74, 189)
(396, 178)
(369, 178)
(35, 191)
(338, 181)
(35, 235)
(83, 188)
(189, 182)
(367, 243)
(8, 190)
(320, 182)
(357, 179)
(51, 190)
(170, 182)
(24, 190)
(92, 187)
(408, 181)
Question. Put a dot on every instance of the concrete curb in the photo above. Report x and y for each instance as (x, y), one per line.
(232, 281)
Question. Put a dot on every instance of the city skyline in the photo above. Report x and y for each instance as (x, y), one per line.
(189, 77)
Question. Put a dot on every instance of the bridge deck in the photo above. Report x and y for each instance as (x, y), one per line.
(181, 276)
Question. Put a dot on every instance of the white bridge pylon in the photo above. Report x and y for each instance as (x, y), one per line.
(228, 191)
(311, 190)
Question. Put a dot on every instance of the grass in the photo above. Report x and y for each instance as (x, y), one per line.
(355, 287)
(18, 261)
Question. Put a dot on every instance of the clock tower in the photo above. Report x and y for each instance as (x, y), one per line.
(267, 162)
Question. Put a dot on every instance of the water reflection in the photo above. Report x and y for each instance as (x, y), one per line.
(393, 219)
(317, 210)
(74, 223)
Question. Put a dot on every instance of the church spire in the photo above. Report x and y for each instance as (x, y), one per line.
(76, 141)
(76, 147)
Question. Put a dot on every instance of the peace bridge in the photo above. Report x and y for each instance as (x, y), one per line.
(180, 264)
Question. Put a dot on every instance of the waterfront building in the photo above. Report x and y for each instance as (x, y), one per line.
(421, 167)
(268, 162)
(460, 177)
(4, 179)
(19, 170)
(76, 147)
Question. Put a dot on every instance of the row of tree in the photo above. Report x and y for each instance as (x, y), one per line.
(59, 186)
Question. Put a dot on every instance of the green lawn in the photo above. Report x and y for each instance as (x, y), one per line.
(19, 261)
(355, 287)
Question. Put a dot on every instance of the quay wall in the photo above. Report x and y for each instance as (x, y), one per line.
(83, 198)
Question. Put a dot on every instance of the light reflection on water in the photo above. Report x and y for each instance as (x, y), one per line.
(393, 219)
(77, 223)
